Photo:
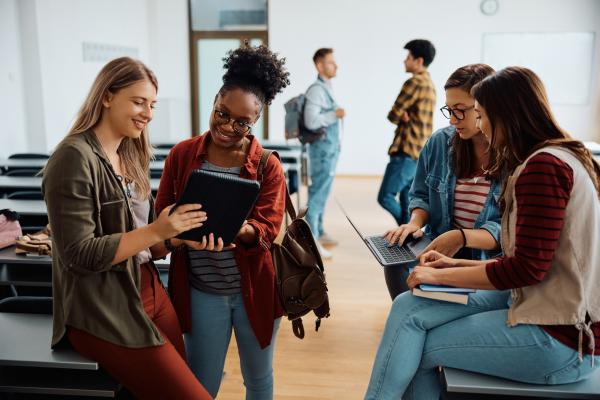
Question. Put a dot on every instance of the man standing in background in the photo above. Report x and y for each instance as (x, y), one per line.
(413, 114)
(322, 111)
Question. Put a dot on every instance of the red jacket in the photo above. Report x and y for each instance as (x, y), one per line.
(254, 262)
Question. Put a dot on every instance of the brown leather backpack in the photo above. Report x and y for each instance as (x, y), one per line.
(300, 276)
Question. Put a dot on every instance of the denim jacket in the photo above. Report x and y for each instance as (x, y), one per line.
(433, 191)
(319, 112)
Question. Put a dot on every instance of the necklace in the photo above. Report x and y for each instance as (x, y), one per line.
(127, 185)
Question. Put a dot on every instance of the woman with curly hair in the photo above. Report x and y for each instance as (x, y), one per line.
(216, 289)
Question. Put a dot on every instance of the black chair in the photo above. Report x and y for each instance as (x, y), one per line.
(155, 173)
(163, 146)
(22, 171)
(26, 195)
(27, 304)
(28, 156)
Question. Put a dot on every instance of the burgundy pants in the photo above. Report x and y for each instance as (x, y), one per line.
(157, 372)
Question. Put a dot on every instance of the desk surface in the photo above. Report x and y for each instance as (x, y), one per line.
(8, 256)
(459, 381)
(25, 207)
(28, 182)
(289, 156)
(26, 343)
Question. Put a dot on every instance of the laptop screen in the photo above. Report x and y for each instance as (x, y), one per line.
(417, 246)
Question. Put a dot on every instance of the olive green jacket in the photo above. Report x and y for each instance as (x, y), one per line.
(88, 212)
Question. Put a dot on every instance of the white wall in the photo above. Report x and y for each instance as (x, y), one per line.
(170, 61)
(13, 131)
(43, 78)
(368, 38)
(46, 78)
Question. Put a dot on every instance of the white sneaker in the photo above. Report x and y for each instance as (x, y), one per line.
(325, 254)
(327, 240)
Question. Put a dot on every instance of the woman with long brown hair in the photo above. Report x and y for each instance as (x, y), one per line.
(453, 194)
(545, 330)
(109, 302)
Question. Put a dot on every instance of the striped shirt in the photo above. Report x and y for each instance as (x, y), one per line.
(211, 271)
(417, 99)
(542, 191)
(470, 195)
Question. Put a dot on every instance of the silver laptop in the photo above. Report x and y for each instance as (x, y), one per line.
(392, 255)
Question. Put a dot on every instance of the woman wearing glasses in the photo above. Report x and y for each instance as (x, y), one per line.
(451, 193)
(546, 330)
(216, 289)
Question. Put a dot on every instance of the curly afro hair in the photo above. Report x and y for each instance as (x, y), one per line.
(256, 70)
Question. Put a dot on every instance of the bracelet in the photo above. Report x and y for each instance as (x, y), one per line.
(464, 237)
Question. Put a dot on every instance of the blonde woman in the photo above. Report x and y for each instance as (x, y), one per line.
(108, 300)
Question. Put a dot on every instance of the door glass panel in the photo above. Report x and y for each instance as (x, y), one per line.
(231, 15)
(210, 74)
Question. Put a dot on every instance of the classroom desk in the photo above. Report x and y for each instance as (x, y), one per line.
(469, 385)
(36, 271)
(26, 343)
(34, 208)
(29, 365)
(291, 158)
(8, 256)
(31, 275)
(6, 163)
(14, 183)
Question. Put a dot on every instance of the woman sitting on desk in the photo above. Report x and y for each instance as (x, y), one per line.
(214, 289)
(108, 299)
(451, 195)
(549, 331)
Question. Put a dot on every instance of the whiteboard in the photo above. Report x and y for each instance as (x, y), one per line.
(564, 61)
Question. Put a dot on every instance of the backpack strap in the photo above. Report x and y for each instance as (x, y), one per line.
(298, 328)
(289, 206)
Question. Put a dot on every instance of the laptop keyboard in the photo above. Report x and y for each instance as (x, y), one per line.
(394, 254)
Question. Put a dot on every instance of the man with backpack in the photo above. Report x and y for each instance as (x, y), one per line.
(322, 113)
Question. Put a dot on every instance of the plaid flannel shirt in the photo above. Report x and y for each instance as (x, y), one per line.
(417, 99)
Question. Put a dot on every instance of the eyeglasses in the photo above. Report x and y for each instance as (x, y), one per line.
(239, 127)
(458, 113)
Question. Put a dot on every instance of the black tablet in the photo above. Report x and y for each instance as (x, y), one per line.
(227, 200)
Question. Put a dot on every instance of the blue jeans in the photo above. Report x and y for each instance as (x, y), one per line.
(323, 160)
(397, 179)
(421, 334)
(213, 318)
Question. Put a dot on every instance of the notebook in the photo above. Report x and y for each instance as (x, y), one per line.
(391, 255)
(227, 200)
(442, 292)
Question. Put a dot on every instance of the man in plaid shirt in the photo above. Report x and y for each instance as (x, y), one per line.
(413, 113)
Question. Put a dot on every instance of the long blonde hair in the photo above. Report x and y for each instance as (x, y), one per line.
(135, 154)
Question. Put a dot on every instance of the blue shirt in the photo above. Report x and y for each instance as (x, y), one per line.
(319, 112)
(433, 191)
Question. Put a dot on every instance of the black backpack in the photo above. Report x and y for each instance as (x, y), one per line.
(300, 276)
